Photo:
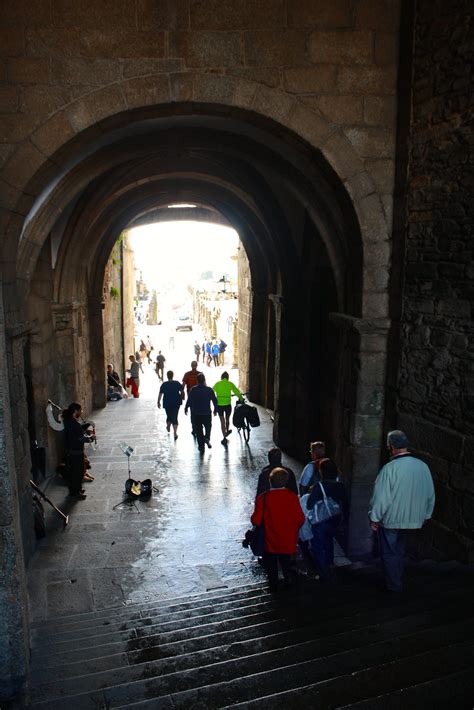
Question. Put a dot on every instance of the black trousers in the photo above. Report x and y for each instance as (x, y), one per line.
(75, 472)
(271, 560)
(202, 424)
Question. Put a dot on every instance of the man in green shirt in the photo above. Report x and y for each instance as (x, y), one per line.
(403, 499)
(224, 390)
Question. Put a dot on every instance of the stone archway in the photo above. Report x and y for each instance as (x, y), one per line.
(294, 188)
(343, 169)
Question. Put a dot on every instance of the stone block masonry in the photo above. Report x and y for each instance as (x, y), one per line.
(436, 382)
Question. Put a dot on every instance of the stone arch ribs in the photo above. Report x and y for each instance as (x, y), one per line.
(99, 230)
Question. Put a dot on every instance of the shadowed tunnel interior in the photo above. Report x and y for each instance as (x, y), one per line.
(294, 219)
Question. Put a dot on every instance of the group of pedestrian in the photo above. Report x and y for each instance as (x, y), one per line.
(403, 499)
(212, 350)
(202, 401)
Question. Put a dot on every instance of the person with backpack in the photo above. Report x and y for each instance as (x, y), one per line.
(310, 472)
(327, 507)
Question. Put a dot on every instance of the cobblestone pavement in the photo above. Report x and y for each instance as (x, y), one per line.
(185, 539)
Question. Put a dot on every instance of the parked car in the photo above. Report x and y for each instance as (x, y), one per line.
(184, 322)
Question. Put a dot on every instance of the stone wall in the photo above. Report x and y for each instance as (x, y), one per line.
(14, 651)
(82, 61)
(436, 382)
(244, 318)
(112, 313)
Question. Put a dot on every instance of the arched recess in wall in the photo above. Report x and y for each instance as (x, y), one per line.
(292, 212)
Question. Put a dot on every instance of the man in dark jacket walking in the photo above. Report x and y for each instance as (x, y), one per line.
(199, 401)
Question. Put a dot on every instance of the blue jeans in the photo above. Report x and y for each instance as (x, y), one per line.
(392, 551)
(323, 545)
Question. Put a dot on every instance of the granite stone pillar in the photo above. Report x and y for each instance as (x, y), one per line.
(288, 316)
(14, 646)
(97, 354)
(257, 343)
(368, 339)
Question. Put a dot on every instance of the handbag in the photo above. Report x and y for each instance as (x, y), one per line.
(323, 509)
(305, 532)
(255, 537)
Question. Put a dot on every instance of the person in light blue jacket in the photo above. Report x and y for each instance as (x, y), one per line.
(403, 499)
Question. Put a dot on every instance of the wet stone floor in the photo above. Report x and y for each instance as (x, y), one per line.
(185, 539)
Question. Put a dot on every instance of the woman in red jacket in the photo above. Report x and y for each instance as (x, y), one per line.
(280, 512)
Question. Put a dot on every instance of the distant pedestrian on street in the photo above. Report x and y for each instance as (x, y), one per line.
(142, 349)
(208, 347)
(199, 401)
(403, 499)
(171, 392)
(215, 353)
(279, 511)
(190, 380)
(203, 350)
(171, 340)
(149, 349)
(139, 360)
(133, 380)
(160, 365)
(197, 350)
(222, 349)
(224, 390)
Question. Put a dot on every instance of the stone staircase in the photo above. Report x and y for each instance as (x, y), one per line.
(345, 645)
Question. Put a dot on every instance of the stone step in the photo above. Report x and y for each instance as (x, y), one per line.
(257, 651)
(346, 690)
(174, 603)
(292, 631)
(146, 648)
(180, 648)
(158, 622)
(116, 642)
(455, 690)
(219, 684)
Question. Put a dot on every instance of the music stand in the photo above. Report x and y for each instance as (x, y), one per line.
(127, 499)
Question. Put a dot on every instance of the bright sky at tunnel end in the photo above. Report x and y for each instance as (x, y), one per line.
(180, 252)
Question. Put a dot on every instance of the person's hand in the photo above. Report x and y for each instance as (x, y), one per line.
(374, 526)
(186, 412)
(158, 405)
(215, 413)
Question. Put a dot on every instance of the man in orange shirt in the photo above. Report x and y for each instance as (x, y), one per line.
(190, 381)
(279, 511)
(190, 377)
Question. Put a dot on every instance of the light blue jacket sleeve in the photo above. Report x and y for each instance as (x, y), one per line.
(381, 498)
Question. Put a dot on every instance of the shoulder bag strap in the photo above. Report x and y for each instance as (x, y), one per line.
(325, 499)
